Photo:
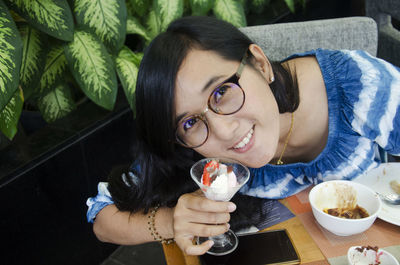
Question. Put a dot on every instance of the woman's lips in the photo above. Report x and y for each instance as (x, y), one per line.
(246, 143)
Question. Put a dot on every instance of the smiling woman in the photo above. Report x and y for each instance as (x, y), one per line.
(204, 89)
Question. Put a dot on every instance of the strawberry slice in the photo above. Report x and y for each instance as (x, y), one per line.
(209, 170)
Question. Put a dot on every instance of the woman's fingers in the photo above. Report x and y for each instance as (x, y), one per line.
(209, 230)
(208, 218)
(197, 202)
(191, 215)
(199, 249)
(187, 246)
(203, 230)
(195, 215)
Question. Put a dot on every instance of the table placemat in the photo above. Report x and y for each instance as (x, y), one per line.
(381, 233)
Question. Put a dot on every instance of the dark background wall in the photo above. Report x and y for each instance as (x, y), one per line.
(43, 200)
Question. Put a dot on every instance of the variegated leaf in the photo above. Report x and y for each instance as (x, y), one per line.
(153, 24)
(231, 11)
(33, 58)
(133, 26)
(53, 17)
(127, 68)
(10, 56)
(200, 7)
(57, 103)
(290, 4)
(92, 68)
(140, 7)
(168, 11)
(9, 116)
(106, 18)
(54, 69)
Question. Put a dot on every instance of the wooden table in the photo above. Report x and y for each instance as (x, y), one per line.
(308, 250)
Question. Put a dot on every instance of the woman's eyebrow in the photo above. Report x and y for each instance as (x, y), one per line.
(210, 82)
(179, 118)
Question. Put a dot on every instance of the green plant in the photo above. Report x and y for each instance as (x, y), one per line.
(52, 51)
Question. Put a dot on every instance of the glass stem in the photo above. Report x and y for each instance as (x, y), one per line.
(221, 240)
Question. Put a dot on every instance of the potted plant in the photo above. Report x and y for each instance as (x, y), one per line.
(51, 49)
(57, 53)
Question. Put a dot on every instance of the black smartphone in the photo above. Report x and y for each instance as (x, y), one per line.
(261, 248)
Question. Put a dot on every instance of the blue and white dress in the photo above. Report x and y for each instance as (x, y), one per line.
(363, 101)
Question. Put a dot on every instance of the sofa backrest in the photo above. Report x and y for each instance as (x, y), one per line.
(283, 39)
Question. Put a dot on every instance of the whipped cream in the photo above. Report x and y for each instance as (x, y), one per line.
(224, 184)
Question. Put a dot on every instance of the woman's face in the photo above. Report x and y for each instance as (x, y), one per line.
(257, 120)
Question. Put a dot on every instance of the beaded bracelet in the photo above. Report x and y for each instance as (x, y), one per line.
(152, 227)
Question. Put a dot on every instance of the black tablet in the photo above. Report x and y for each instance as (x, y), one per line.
(261, 248)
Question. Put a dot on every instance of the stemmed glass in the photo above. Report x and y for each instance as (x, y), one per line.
(227, 242)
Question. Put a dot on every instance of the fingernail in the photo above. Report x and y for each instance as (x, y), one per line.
(231, 207)
(210, 243)
(228, 225)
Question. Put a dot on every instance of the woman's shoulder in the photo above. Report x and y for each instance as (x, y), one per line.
(330, 56)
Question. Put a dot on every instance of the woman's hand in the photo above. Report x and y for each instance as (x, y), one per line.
(195, 215)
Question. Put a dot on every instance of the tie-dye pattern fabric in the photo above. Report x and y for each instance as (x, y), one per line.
(363, 99)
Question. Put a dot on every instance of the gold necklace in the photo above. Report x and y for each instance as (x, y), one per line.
(280, 162)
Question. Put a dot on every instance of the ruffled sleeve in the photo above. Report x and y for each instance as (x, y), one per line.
(103, 197)
(96, 204)
(376, 104)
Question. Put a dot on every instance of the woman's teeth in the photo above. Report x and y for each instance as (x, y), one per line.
(245, 140)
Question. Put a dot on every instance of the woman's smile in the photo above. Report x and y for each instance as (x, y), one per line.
(245, 143)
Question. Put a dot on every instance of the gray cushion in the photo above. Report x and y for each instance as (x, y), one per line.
(283, 39)
(383, 11)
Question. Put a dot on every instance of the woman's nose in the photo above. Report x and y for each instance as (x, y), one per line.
(221, 126)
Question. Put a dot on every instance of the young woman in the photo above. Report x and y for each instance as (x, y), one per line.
(204, 89)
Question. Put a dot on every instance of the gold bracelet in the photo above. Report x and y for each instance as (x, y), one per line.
(152, 227)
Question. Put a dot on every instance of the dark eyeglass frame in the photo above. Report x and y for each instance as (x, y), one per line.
(233, 79)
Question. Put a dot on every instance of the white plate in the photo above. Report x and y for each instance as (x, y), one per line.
(378, 179)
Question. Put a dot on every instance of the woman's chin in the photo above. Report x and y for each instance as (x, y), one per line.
(257, 163)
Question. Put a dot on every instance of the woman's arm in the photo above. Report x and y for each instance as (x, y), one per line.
(125, 228)
(194, 215)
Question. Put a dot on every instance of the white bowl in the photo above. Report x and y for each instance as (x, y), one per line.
(331, 194)
(355, 257)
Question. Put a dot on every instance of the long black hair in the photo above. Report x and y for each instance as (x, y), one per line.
(161, 165)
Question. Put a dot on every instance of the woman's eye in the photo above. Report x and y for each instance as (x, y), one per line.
(187, 125)
(219, 93)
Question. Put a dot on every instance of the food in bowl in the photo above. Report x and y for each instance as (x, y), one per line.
(368, 255)
(356, 212)
(346, 202)
(342, 195)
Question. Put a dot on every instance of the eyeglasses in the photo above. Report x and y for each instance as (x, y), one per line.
(226, 99)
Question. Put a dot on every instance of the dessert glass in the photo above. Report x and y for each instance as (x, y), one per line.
(227, 242)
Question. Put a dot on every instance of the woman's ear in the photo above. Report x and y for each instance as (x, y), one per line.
(261, 62)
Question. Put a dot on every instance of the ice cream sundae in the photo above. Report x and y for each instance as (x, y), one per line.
(370, 255)
(220, 179)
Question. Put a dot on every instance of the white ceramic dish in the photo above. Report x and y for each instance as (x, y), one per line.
(366, 257)
(378, 179)
(331, 194)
